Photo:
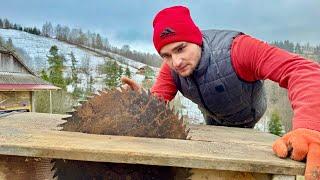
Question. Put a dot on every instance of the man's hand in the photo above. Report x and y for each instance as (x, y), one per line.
(129, 83)
(302, 143)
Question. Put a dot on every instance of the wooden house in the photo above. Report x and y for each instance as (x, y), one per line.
(18, 83)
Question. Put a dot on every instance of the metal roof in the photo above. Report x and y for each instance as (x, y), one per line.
(20, 81)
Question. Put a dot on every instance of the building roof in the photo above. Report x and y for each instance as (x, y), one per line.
(20, 81)
(4, 50)
(14, 81)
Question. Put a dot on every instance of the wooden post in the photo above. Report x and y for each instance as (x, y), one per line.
(33, 98)
(50, 101)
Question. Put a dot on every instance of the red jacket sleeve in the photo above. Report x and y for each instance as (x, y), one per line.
(255, 60)
(164, 86)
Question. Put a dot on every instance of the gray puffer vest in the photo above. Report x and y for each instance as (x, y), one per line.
(221, 95)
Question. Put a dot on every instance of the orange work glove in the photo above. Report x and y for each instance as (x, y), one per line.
(302, 143)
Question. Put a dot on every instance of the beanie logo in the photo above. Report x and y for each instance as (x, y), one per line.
(167, 32)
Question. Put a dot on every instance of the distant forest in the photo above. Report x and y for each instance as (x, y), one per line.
(94, 40)
(89, 39)
(308, 51)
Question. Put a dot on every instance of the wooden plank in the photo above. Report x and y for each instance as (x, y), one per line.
(228, 134)
(206, 174)
(197, 132)
(31, 120)
(152, 151)
(201, 133)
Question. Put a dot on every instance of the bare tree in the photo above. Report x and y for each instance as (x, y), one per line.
(47, 29)
(65, 31)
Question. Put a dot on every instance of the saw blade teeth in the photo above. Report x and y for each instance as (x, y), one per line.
(89, 97)
(104, 90)
(181, 119)
(119, 89)
(54, 167)
(82, 101)
(188, 130)
(70, 112)
(62, 124)
(95, 95)
(144, 93)
(77, 106)
(55, 175)
(172, 109)
(126, 113)
(149, 92)
(66, 118)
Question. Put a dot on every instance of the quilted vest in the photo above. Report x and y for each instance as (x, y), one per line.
(221, 95)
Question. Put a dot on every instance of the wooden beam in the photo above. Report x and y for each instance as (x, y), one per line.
(211, 147)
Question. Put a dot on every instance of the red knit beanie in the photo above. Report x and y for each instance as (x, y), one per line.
(174, 24)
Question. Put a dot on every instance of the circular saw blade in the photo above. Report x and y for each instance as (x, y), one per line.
(124, 113)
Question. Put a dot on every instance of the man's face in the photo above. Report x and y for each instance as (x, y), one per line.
(182, 57)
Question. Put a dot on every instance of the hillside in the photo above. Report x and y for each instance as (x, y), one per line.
(36, 49)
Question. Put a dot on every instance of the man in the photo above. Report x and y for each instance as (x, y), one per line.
(221, 71)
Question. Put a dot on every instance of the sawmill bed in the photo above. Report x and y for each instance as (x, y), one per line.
(28, 141)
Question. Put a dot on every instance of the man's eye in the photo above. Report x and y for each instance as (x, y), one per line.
(180, 49)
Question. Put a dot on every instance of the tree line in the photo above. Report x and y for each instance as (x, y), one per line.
(79, 37)
(302, 49)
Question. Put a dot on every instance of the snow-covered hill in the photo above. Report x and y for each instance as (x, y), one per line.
(37, 48)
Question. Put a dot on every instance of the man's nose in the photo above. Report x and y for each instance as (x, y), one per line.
(176, 61)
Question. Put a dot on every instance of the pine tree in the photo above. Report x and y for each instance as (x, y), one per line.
(148, 77)
(113, 73)
(127, 72)
(44, 75)
(74, 73)
(1, 24)
(6, 24)
(298, 49)
(275, 126)
(99, 43)
(56, 65)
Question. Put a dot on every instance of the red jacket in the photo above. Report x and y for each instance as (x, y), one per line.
(254, 60)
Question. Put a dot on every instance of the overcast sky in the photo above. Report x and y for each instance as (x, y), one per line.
(130, 21)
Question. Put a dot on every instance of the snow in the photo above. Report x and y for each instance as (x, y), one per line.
(37, 47)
